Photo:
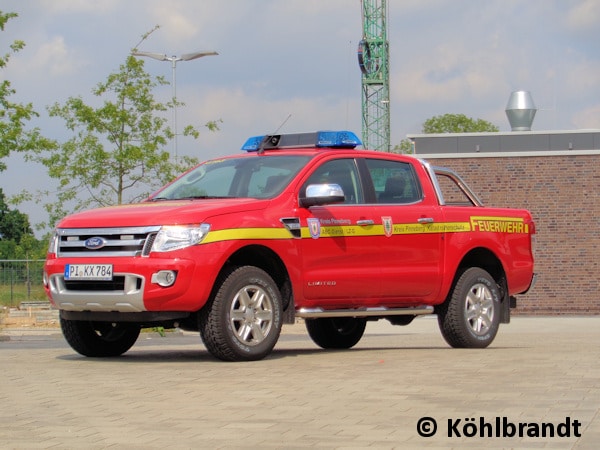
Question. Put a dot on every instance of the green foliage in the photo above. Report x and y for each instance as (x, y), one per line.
(448, 123)
(457, 123)
(405, 147)
(13, 224)
(118, 152)
(16, 237)
(13, 116)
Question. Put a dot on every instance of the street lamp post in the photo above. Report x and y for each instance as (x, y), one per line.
(174, 60)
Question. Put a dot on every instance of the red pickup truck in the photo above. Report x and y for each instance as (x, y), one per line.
(300, 226)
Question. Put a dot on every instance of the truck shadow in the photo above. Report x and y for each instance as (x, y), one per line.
(199, 354)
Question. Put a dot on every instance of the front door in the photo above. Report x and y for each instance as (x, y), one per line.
(340, 263)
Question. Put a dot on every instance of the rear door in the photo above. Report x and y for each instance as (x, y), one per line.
(411, 243)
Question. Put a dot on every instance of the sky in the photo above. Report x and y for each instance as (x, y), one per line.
(292, 64)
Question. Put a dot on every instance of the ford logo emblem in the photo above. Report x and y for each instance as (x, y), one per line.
(94, 243)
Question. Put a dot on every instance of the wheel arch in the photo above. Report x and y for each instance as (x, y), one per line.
(487, 260)
(269, 261)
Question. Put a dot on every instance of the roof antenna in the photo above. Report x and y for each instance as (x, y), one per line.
(283, 123)
(269, 137)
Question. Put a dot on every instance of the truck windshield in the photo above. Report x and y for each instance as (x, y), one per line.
(255, 177)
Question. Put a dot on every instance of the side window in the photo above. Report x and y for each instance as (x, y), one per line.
(342, 172)
(452, 192)
(394, 181)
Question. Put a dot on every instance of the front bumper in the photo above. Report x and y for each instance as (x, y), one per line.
(125, 295)
(132, 289)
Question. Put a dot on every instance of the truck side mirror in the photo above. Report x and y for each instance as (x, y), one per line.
(322, 194)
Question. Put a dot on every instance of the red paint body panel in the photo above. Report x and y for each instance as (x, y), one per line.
(343, 256)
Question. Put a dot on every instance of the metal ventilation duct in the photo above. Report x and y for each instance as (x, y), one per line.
(520, 110)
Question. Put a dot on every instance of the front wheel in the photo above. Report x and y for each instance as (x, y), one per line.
(243, 319)
(471, 316)
(336, 332)
(99, 339)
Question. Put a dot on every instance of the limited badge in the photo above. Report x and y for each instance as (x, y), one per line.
(314, 226)
(388, 226)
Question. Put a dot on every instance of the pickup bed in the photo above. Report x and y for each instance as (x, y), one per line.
(299, 226)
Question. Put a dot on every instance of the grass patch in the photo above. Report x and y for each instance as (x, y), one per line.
(12, 296)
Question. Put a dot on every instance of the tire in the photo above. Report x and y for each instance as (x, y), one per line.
(336, 332)
(99, 339)
(471, 316)
(243, 319)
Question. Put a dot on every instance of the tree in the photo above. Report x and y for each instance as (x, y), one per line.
(449, 123)
(118, 151)
(13, 116)
(405, 147)
(13, 224)
(457, 123)
(16, 237)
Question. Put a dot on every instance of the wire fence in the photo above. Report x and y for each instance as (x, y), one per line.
(21, 280)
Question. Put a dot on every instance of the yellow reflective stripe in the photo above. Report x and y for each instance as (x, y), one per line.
(398, 228)
(477, 223)
(346, 230)
(509, 219)
(246, 233)
(441, 227)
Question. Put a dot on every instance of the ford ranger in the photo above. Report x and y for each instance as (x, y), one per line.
(300, 226)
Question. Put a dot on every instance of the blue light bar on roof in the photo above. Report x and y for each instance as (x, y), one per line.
(337, 139)
(253, 143)
(318, 139)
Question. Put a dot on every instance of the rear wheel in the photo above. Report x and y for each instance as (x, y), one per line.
(242, 321)
(336, 332)
(99, 339)
(471, 316)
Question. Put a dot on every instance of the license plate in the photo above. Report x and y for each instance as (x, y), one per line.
(102, 272)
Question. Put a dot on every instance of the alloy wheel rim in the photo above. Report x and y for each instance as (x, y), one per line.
(251, 315)
(479, 309)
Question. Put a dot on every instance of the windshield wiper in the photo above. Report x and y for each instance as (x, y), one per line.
(190, 197)
(196, 197)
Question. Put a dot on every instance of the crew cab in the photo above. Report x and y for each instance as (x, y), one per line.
(300, 226)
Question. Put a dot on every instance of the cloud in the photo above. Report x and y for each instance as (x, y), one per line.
(78, 6)
(299, 57)
(176, 24)
(55, 58)
(584, 15)
(588, 118)
(246, 113)
(581, 75)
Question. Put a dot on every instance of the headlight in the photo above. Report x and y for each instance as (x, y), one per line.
(176, 237)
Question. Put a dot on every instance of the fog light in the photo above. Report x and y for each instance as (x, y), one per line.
(164, 278)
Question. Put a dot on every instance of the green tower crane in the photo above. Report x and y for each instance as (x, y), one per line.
(373, 60)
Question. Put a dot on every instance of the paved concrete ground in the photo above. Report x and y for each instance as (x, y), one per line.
(169, 392)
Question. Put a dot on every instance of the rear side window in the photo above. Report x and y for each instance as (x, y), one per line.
(451, 190)
(394, 181)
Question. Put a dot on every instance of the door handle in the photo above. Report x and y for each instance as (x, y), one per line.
(365, 222)
(425, 220)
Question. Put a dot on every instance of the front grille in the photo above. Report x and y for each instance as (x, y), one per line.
(123, 241)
